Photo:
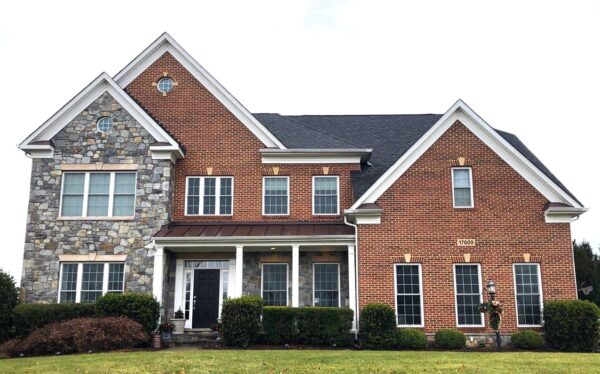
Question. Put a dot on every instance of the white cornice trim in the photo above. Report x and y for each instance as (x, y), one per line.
(103, 83)
(314, 156)
(460, 111)
(165, 43)
(563, 214)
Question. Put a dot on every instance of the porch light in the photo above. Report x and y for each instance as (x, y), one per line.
(491, 289)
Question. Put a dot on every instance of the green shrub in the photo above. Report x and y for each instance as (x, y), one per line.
(410, 339)
(324, 326)
(240, 320)
(279, 324)
(9, 298)
(29, 317)
(79, 335)
(450, 339)
(527, 339)
(140, 307)
(572, 325)
(377, 326)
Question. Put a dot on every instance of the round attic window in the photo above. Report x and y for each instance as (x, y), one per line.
(165, 85)
(104, 124)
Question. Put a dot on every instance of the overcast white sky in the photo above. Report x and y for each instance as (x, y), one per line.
(527, 67)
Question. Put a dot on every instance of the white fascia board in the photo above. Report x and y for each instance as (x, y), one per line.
(365, 216)
(103, 83)
(165, 43)
(461, 112)
(314, 156)
(563, 214)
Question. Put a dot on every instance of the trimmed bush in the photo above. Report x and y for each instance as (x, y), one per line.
(279, 324)
(140, 307)
(572, 325)
(29, 317)
(527, 339)
(240, 320)
(10, 348)
(450, 339)
(377, 326)
(80, 335)
(410, 339)
(9, 298)
(324, 326)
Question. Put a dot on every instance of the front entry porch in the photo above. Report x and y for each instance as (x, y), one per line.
(197, 275)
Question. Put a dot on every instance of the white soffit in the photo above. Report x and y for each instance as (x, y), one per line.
(462, 112)
(165, 43)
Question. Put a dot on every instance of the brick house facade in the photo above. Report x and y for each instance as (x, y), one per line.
(158, 180)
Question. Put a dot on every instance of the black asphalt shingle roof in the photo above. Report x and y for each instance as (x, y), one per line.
(390, 136)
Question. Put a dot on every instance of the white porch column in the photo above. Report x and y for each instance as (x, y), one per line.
(239, 270)
(295, 274)
(179, 286)
(352, 282)
(157, 276)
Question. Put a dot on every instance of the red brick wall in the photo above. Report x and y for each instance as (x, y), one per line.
(213, 137)
(507, 221)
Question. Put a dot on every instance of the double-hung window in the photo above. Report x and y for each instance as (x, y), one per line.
(409, 295)
(276, 195)
(86, 282)
(275, 284)
(462, 187)
(102, 194)
(209, 196)
(467, 287)
(326, 195)
(326, 285)
(528, 291)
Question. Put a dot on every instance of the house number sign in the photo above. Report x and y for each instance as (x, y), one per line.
(465, 242)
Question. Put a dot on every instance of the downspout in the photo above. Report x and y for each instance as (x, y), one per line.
(357, 311)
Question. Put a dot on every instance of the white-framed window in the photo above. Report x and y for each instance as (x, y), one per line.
(528, 294)
(326, 284)
(85, 282)
(409, 295)
(462, 187)
(209, 196)
(276, 196)
(326, 195)
(274, 284)
(468, 295)
(98, 194)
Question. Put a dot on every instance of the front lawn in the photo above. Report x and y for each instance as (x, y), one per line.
(192, 360)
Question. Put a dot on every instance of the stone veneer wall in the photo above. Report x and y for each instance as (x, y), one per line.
(253, 268)
(47, 236)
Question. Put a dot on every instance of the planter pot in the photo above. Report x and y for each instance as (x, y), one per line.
(156, 343)
(166, 336)
(179, 325)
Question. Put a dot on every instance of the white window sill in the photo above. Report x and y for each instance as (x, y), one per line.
(124, 218)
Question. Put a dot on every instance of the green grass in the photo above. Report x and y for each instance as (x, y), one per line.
(191, 360)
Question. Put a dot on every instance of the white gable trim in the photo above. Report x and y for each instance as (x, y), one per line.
(165, 43)
(461, 112)
(103, 83)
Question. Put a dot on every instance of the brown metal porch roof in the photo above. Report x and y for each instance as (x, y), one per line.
(190, 229)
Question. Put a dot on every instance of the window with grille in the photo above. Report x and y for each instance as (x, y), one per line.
(326, 195)
(409, 307)
(462, 188)
(326, 285)
(528, 290)
(275, 195)
(275, 284)
(209, 196)
(467, 285)
(110, 194)
(86, 282)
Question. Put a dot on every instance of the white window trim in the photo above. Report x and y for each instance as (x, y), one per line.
(314, 289)
(287, 279)
(337, 181)
(422, 324)
(86, 187)
(80, 279)
(288, 196)
(217, 195)
(482, 324)
(470, 184)
(539, 274)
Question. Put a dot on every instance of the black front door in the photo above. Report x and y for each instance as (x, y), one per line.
(206, 298)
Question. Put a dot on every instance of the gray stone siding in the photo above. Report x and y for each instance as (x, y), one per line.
(47, 236)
